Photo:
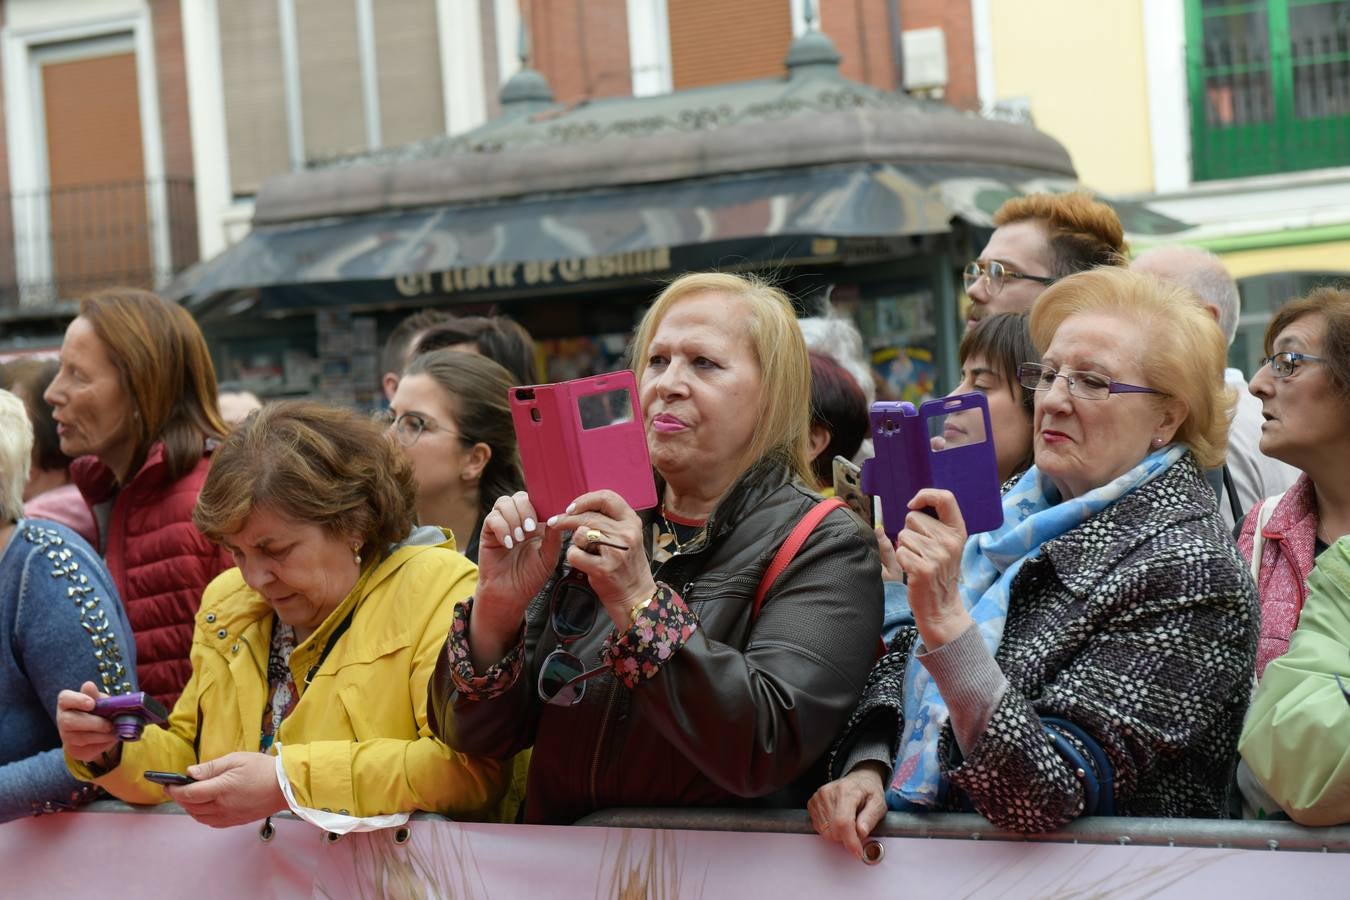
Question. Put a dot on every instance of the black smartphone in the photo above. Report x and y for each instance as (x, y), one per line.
(177, 779)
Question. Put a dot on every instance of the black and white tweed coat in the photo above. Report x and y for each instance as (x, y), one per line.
(1139, 626)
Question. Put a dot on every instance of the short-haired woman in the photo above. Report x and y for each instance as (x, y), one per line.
(991, 354)
(451, 415)
(1304, 388)
(1094, 654)
(136, 399)
(311, 658)
(838, 417)
(60, 624)
(1292, 742)
(691, 700)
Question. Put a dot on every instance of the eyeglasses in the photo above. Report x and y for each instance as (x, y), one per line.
(1084, 385)
(1285, 364)
(409, 426)
(997, 273)
(572, 607)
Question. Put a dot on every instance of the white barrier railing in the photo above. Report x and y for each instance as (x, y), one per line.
(110, 849)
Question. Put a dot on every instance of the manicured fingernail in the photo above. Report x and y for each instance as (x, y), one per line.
(571, 506)
(529, 524)
(508, 543)
(520, 534)
(552, 520)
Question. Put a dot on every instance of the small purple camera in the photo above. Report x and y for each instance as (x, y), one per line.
(130, 713)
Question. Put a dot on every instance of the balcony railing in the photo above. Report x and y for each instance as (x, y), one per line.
(60, 243)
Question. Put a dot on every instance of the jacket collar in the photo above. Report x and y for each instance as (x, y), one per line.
(97, 482)
(1081, 555)
(746, 492)
(250, 607)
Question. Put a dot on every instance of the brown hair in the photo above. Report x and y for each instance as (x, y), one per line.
(166, 371)
(785, 420)
(1334, 303)
(1004, 341)
(397, 347)
(1185, 350)
(500, 338)
(477, 390)
(312, 463)
(28, 380)
(1083, 233)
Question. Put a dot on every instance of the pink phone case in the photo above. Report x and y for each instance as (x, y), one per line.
(580, 436)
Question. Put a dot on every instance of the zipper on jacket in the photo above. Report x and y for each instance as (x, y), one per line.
(600, 743)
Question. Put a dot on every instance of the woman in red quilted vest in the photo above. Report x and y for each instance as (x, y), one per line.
(1304, 387)
(135, 400)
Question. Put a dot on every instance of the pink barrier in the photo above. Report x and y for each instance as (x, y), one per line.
(154, 854)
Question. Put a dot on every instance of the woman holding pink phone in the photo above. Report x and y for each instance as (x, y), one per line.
(629, 650)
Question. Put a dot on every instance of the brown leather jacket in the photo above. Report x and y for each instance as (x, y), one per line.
(741, 712)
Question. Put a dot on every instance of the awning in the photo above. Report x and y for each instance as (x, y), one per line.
(639, 233)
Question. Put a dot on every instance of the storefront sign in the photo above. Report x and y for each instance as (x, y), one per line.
(536, 273)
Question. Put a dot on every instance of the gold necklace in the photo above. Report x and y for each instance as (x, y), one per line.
(669, 529)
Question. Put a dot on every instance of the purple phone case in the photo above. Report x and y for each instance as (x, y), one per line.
(905, 463)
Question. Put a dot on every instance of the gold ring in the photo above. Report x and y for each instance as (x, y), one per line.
(593, 535)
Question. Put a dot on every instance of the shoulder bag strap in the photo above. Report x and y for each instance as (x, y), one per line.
(800, 532)
(1263, 514)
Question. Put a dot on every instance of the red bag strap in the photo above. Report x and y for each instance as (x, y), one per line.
(800, 532)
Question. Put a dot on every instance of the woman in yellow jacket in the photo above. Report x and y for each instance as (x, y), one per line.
(310, 660)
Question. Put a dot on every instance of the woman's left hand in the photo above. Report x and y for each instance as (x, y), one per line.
(234, 789)
(622, 579)
(929, 550)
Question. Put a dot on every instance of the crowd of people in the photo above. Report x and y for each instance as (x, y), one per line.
(356, 619)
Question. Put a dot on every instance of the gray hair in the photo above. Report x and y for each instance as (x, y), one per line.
(1203, 274)
(16, 455)
(839, 340)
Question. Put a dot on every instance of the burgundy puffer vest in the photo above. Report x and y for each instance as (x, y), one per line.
(158, 559)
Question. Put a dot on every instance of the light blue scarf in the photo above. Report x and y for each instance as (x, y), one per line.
(989, 563)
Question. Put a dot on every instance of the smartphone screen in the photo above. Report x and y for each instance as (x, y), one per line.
(848, 487)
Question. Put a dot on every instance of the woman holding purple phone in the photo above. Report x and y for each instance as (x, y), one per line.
(1094, 654)
(625, 647)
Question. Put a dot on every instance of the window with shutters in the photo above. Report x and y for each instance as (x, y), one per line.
(714, 42)
(1269, 85)
(332, 55)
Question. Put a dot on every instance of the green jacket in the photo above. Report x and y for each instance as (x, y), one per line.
(1296, 739)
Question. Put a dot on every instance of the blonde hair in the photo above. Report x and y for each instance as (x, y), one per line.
(16, 455)
(1184, 349)
(785, 372)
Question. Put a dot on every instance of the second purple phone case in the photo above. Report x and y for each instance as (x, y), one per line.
(906, 463)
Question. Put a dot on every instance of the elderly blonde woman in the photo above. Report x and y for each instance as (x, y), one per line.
(1094, 654)
(692, 700)
(60, 623)
(311, 658)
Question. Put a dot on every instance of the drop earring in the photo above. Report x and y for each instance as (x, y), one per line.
(356, 555)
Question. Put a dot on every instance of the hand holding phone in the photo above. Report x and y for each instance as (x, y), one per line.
(175, 779)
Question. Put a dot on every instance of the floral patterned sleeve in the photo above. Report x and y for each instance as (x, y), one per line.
(470, 684)
(662, 628)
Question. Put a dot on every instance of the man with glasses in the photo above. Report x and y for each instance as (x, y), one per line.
(1253, 474)
(1040, 238)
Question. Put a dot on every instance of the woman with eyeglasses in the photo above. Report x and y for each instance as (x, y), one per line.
(628, 648)
(1304, 388)
(1094, 654)
(451, 416)
(311, 657)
